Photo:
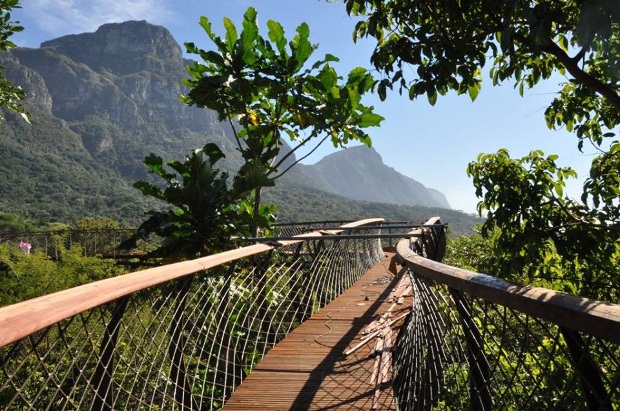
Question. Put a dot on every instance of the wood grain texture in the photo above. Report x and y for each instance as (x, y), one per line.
(597, 318)
(22, 319)
(308, 370)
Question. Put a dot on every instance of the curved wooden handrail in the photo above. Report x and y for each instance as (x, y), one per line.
(22, 319)
(594, 317)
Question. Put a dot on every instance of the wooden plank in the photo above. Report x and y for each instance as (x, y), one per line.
(308, 369)
(597, 318)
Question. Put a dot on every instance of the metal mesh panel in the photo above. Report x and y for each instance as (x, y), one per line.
(462, 352)
(185, 344)
(103, 242)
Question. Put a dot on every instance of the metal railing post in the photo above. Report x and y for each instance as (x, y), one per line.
(479, 370)
(589, 374)
(104, 372)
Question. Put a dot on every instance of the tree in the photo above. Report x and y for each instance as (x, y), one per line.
(11, 225)
(206, 214)
(527, 41)
(449, 44)
(537, 233)
(471, 252)
(268, 88)
(10, 95)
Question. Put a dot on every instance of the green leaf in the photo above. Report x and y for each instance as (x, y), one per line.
(276, 35)
(328, 77)
(212, 57)
(148, 189)
(155, 163)
(249, 35)
(382, 90)
(206, 25)
(301, 46)
(473, 91)
(251, 176)
(331, 58)
(370, 120)
(303, 30)
(359, 75)
(231, 34)
(432, 96)
(559, 188)
(213, 152)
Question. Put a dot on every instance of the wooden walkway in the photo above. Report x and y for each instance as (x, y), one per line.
(310, 368)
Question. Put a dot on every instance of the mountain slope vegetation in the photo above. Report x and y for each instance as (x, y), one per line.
(100, 102)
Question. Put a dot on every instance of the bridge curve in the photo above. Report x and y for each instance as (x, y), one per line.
(340, 358)
(185, 336)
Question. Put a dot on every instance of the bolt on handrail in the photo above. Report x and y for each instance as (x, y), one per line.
(180, 336)
(477, 342)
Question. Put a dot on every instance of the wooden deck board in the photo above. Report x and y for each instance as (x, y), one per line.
(308, 369)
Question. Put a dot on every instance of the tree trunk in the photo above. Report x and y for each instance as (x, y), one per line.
(257, 199)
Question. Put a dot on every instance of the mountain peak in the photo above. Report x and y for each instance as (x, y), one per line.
(121, 48)
(360, 174)
(357, 153)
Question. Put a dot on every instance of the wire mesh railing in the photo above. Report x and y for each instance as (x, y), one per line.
(101, 242)
(178, 337)
(476, 342)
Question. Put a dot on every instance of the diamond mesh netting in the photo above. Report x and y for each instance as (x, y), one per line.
(476, 342)
(182, 344)
(185, 338)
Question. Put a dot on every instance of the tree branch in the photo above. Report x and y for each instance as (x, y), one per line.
(576, 58)
(297, 147)
(300, 159)
(235, 133)
(579, 220)
(580, 75)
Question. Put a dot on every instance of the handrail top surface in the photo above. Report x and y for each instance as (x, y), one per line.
(365, 221)
(595, 317)
(24, 318)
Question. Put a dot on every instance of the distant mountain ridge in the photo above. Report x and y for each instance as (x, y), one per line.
(360, 174)
(112, 97)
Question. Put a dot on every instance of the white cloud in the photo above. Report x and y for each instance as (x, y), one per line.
(59, 17)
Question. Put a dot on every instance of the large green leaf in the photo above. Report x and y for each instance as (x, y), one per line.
(231, 34)
(213, 152)
(205, 23)
(249, 36)
(301, 46)
(276, 35)
(370, 119)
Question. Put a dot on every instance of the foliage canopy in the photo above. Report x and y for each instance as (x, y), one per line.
(448, 45)
(10, 95)
(267, 88)
(205, 215)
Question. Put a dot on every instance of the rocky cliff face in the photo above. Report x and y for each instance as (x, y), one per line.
(32, 82)
(129, 72)
(76, 90)
(122, 48)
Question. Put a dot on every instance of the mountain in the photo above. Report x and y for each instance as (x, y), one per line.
(100, 102)
(130, 72)
(119, 88)
(360, 174)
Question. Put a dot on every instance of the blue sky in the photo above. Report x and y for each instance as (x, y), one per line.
(430, 144)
